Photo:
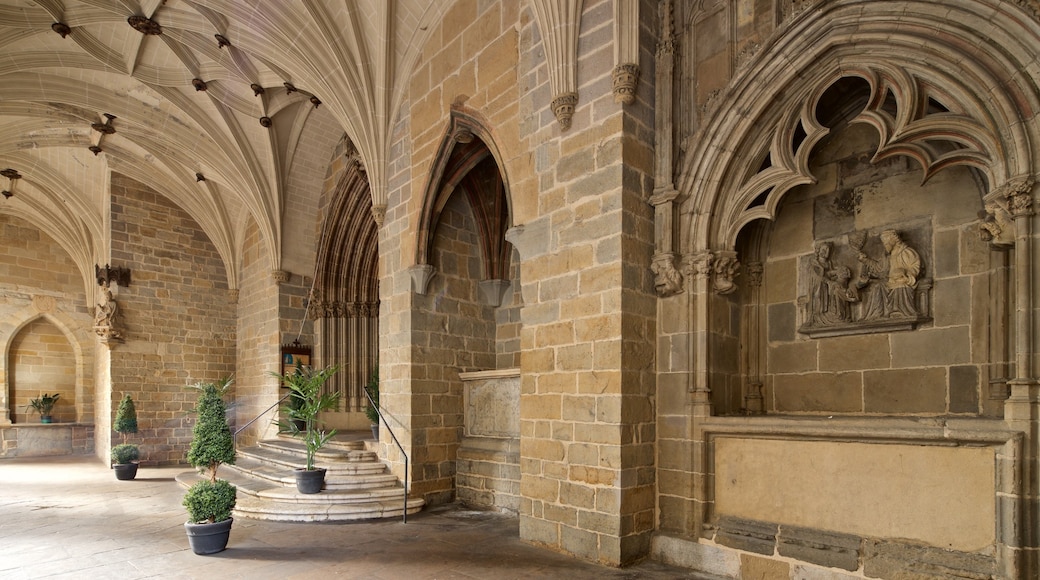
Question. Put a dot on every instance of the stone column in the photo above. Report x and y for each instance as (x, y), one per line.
(1022, 410)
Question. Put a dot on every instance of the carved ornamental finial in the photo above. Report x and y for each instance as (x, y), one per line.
(563, 107)
(625, 80)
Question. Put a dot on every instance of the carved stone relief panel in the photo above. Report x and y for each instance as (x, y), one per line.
(867, 281)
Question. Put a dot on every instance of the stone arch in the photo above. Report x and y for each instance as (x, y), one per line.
(985, 88)
(344, 301)
(468, 159)
(80, 339)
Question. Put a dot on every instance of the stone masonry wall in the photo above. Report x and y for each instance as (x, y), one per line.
(459, 334)
(42, 361)
(43, 315)
(587, 390)
(259, 347)
(179, 322)
(933, 370)
(469, 61)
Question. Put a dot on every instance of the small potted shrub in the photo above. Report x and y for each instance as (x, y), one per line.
(306, 384)
(209, 502)
(44, 405)
(371, 409)
(125, 455)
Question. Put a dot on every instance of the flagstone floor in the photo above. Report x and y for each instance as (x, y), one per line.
(68, 517)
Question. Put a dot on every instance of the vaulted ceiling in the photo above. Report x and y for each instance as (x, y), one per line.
(204, 100)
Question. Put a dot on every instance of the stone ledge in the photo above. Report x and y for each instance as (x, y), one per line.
(819, 547)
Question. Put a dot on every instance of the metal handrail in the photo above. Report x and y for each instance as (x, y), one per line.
(399, 447)
(254, 419)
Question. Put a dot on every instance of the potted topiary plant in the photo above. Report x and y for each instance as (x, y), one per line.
(371, 409)
(125, 455)
(306, 384)
(44, 405)
(209, 502)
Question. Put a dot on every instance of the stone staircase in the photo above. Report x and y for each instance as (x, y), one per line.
(358, 486)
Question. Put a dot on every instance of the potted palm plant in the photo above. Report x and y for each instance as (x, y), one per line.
(306, 384)
(44, 405)
(125, 455)
(209, 502)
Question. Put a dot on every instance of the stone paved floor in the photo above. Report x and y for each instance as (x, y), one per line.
(68, 517)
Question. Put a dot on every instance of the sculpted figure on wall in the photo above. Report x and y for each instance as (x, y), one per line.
(896, 273)
(106, 315)
(886, 293)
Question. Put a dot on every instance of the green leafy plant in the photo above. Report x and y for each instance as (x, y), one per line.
(125, 423)
(125, 453)
(210, 501)
(373, 391)
(44, 404)
(212, 444)
(307, 384)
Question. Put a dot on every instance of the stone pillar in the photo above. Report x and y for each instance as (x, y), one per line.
(1022, 410)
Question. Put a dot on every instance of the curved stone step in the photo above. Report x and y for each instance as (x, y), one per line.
(311, 512)
(285, 461)
(331, 452)
(373, 476)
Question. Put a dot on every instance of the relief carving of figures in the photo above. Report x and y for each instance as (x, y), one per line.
(886, 293)
(106, 317)
(896, 272)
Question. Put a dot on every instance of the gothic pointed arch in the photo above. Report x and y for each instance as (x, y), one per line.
(467, 161)
(344, 302)
(964, 102)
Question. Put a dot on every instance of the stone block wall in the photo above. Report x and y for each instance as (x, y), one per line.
(179, 320)
(43, 319)
(939, 368)
(469, 62)
(42, 361)
(587, 391)
(259, 329)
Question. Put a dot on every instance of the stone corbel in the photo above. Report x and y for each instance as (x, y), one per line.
(726, 269)
(667, 279)
(233, 294)
(1003, 205)
(626, 51)
(379, 214)
(281, 276)
(559, 22)
(493, 291)
(421, 275)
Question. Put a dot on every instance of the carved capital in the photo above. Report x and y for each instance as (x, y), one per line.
(379, 213)
(698, 265)
(233, 294)
(280, 276)
(625, 79)
(667, 279)
(727, 268)
(754, 274)
(1018, 192)
(563, 107)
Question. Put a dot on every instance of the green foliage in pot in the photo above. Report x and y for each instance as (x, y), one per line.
(44, 404)
(307, 384)
(210, 501)
(212, 444)
(373, 391)
(125, 423)
(126, 417)
(125, 453)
